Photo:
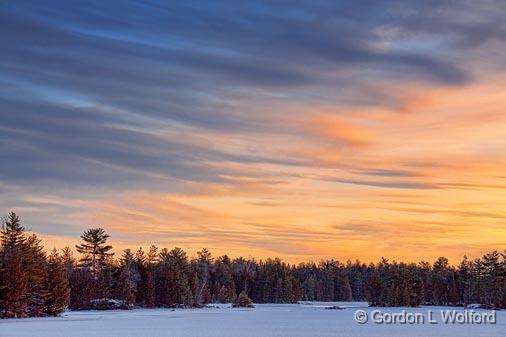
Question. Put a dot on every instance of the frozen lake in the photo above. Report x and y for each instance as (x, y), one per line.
(268, 320)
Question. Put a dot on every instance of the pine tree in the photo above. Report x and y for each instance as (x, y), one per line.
(226, 295)
(453, 297)
(405, 297)
(15, 283)
(13, 277)
(465, 281)
(243, 301)
(203, 269)
(439, 281)
(415, 288)
(346, 289)
(68, 260)
(152, 258)
(94, 249)
(128, 279)
(13, 233)
(149, 294)
(57, 285)
(478, 284)
(34, 264)
(140, 257)
(104, 286)
(82, 289)
(141, 268)
(175, 263)
(492, 279)
(374, 288)
(125, 289)
(309, 287)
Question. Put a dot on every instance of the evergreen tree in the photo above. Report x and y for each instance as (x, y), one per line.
(415, 288)
(13, 233)
(203, 269)
(149, 294)
(82, 290)
(173, 279)
(34, 263)
(226, 295)
(374, 288)
(141, 268)
(103, 286)
(346, 289)
(439, 281)
(465, 281)
(128, 279)
(13, 277)
(243, 272)
(309, 287)
(125, 289)
(492, 280)
(152, 257)
(94, 250)
(453, 296)
(68, 260)
(57, 285)
(243, 301)
(140, 257)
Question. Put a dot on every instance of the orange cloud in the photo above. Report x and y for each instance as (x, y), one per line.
(338, 130)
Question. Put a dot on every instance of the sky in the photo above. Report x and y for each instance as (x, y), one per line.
(304, 130)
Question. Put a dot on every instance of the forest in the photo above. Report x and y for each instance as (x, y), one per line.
(34, 282)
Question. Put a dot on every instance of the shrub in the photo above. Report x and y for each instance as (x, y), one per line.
(243, 301)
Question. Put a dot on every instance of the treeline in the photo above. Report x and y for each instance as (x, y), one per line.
(34, 283)
(481, 281)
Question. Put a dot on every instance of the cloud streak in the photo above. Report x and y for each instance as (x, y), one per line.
(272, 128)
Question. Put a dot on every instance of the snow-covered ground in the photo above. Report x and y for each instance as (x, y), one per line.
(268, 320)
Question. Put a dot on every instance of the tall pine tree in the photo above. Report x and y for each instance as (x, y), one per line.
(94, 249)
(57, 285)
(35, 265)
(13, 277)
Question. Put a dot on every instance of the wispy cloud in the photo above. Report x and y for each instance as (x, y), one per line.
(322, 129)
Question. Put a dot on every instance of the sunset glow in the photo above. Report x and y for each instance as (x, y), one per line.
(265, 130)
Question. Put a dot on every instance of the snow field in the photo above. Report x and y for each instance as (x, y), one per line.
(265, 320)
